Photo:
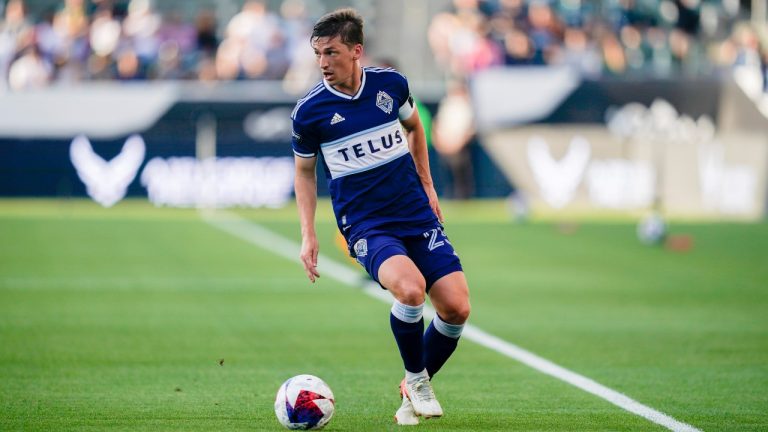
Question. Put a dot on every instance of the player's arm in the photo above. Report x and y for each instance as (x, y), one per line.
(417, 142)
(305, 187)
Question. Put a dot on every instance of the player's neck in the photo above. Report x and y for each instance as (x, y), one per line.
(352, 85)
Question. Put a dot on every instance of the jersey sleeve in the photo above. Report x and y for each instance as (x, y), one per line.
(302, 139)
(405, 100)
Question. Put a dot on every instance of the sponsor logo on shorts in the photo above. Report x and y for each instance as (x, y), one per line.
(361, 248)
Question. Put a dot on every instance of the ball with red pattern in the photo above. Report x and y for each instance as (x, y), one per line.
(304, 402)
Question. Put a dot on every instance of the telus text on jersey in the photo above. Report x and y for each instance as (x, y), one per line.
(358, 149)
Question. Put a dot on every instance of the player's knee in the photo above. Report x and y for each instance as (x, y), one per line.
(410, 291)
(457, 313)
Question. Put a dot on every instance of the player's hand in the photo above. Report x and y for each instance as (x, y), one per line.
(434, 203)
(309, 250)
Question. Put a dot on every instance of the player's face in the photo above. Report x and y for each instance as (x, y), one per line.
(337, 61)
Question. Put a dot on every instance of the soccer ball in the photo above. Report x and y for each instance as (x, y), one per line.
(304, 402)
(652, 230)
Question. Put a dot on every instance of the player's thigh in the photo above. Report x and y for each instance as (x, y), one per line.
(450, 297)
(433, 254)
(400, 276)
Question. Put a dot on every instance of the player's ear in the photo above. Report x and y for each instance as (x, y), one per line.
(358, 52)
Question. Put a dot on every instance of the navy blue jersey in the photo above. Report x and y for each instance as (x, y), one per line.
(371, 175)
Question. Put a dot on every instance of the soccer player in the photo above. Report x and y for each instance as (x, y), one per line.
(363, 121)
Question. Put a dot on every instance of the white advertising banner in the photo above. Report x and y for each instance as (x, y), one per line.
(184, 181)
(644, 158)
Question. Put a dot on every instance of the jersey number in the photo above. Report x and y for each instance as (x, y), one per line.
(434, 243)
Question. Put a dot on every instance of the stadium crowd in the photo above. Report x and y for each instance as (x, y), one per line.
(130, 40)
(644, 38)
(651, 37)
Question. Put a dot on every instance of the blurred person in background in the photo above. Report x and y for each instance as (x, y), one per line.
(105, 32)
(30, 71)
(138, 48)
(176, 51)
(203, 65)
(452, 132)
(579, 53)
(518, 49)
(70, 28)
(614, 57)
(441, 29)
(252, 36)
(205, 27)
(128, 66)
(544, 30)
(227, 60)
(16, 34)
(302, 72)
(742, 54)
(462, 40)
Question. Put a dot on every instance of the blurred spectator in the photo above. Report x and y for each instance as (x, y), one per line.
(452, 131)
(129, 66)
(205, 26)
(228, 59)
(302, 72)
(252, 36)
(544, 31)
(614, 58)
(579, 53)
(141, 27)
(462, 41)
(30, 71)
(70, 28)
(105, 32)
(748, 61)
(441, 29)
(177, 48)
(15, 35)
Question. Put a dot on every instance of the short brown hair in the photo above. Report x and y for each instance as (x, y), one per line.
(345, 23)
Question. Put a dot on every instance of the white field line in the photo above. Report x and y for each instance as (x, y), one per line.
(289, 249)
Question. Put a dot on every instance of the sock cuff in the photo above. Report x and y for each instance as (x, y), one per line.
(447, 329)
(413, 376)
(406, 313)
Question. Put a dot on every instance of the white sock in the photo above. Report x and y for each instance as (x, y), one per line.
(447, 329)
(407, 313)
(411, 376)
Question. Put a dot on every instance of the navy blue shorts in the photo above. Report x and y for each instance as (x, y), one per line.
(431, 251)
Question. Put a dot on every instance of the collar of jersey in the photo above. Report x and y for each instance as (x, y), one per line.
(344, 95)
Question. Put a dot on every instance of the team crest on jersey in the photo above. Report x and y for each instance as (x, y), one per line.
(361, 248)
(384, 101)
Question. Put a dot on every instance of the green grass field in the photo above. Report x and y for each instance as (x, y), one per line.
(137, 318)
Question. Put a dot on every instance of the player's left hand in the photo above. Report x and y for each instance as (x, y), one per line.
(308, 255)
(434, 203)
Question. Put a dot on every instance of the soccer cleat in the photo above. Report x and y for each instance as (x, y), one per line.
(405, 415)
(422, 397)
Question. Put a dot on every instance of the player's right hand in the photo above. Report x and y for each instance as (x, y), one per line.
(309, 250)
(434, 203)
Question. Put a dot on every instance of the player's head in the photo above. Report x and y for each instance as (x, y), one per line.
(346, 23)
(337, 40)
